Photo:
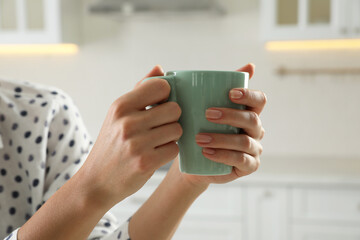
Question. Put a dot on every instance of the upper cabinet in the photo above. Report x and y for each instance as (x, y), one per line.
(310, 19)
(39, 21)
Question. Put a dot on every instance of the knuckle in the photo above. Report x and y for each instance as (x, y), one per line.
(246, 142)
(178, 129)
(133, 147)
(264, 98)
(127, 127)
(260, 149)
(142, 164)
(242, 159)
(256, 164)
(175, 109)
(117, 108)
(254, 119)
(162, 86)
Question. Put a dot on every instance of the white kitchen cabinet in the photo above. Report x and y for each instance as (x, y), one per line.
(268, 207)
(39, 21)
(325, 232)
(266, 216)
(310, 19)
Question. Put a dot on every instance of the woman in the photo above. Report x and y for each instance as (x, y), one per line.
(51, 188)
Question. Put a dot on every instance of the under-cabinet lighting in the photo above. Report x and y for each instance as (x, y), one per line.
(38, 49)
(313, 45)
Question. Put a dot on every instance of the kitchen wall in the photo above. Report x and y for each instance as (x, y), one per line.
(307, 117)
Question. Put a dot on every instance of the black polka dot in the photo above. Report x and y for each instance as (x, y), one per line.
(9, 229)
(29, 200)
(107, 224)
(32, 101)
(65, 158)
(67, 176)
(19, 149)
(23, 113)
(49, 134)
(46, 123)
(12, 211)
(31, 158)
(36, 119)
(53, 112)
(44, 104)
(10, 105)
(54, 92)
(38, 207)
(119, 235)
(6, 157)
(27, 216)
(47, 170)
(39, 96)
(42, 165)
(66, 122)
(18, 89)
(17, 96)
(104, 231)
(27, 134)
(57, 175)
(38, 139)
(1, 188)
(35, 182)
(53, 153)
(2, 117)
(77, 161)
(18, 179)
(10, 142)
(27, 172)
(15, 126)
(15, 194)
(66, 107)
(3, 172)
(20, 165)
(71, 143)
(61, 136)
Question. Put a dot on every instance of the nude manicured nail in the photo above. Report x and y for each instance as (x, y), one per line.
(200, 138)
(209, 151)
(236, 94)
(213, 114)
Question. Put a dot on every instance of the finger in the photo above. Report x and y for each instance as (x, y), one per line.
(164, 113)
(250, 68)
(156, 71)
(243, 163)
(253, 99)
(237, 142)
(163, 134)
(148, 93)
(249, 121)
(165, 153)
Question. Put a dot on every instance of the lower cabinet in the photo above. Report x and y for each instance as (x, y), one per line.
(265, 210)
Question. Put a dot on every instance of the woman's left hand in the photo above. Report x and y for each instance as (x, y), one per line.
(242, 151)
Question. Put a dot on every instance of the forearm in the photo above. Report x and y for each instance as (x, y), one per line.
(161, 214)
(68, 214)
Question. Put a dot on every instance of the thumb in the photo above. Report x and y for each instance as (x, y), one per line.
(156, 71)
(250, 68)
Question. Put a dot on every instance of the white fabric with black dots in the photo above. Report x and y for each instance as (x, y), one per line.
(43, 143)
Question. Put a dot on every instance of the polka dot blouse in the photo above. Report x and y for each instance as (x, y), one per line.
(43, 143)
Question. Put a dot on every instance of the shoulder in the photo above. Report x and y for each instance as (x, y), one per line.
(33, 97)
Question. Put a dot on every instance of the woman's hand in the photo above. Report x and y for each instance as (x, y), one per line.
(133, 142)
(242, 151)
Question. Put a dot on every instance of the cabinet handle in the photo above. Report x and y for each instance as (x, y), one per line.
(268, 194)
(344, 30)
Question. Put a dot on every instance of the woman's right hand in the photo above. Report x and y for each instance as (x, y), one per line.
(133, 143)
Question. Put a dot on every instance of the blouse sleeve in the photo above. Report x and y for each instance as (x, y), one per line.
(67, 148)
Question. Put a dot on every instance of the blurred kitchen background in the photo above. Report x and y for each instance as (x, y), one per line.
(307, 57)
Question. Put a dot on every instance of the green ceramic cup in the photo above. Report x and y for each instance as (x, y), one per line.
(196, 91)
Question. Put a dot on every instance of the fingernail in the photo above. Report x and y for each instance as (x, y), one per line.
(213, 114)
(209, 151)
(236, 94)
(201, 138)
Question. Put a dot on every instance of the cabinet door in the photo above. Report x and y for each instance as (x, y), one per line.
(209, 230)
(29, 21)
(267, 211)
(321, 232)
